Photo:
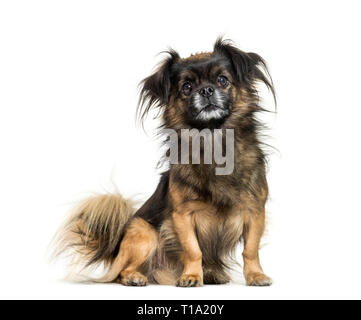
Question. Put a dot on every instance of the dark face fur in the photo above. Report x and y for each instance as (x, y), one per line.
(202, 90)
(206, 90)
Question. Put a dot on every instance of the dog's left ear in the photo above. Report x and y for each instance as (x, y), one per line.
(155, 89)
(248, 67)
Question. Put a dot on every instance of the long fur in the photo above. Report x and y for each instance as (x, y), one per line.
(92, 233)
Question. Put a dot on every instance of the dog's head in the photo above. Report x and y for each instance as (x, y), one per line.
(206, 90)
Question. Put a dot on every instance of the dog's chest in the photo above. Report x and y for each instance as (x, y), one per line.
(221, 191)
(218, 234)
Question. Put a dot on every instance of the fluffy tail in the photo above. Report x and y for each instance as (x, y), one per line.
(92, 234)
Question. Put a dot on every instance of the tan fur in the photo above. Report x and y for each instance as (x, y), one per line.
(192, 255)
(184, 226)
(106, 214)
(198, 56)
(138, 245)
(165, 277)
(254, 218)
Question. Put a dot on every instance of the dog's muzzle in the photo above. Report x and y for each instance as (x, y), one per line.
(209, 104)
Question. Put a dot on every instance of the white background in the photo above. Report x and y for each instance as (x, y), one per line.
(68, 91)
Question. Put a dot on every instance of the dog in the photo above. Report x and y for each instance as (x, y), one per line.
(186, 233)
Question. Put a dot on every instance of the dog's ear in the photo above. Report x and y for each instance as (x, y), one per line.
(155, 89)
(248, 66)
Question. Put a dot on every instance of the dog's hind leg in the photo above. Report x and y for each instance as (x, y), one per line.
(136, 249)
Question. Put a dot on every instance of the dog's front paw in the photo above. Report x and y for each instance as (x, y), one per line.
(135, 279)
(258, 279)
(190, 280)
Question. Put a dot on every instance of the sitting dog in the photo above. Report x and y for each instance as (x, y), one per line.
(187, 231)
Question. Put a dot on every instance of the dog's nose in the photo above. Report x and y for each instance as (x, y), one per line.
(206, 91)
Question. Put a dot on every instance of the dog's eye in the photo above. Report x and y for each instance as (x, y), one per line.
(222, 81)
(187, 88)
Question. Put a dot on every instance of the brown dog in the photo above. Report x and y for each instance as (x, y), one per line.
(188, 229)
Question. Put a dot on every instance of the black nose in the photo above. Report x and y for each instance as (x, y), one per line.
(206, 91)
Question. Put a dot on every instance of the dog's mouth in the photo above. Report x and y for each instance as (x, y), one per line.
(211, 111)
(210, 107)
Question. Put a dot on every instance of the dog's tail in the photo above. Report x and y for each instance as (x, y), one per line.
(93, 233)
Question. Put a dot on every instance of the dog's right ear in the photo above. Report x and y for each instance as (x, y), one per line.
(155, 89)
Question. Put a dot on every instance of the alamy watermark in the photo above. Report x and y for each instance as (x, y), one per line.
(216, 146)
